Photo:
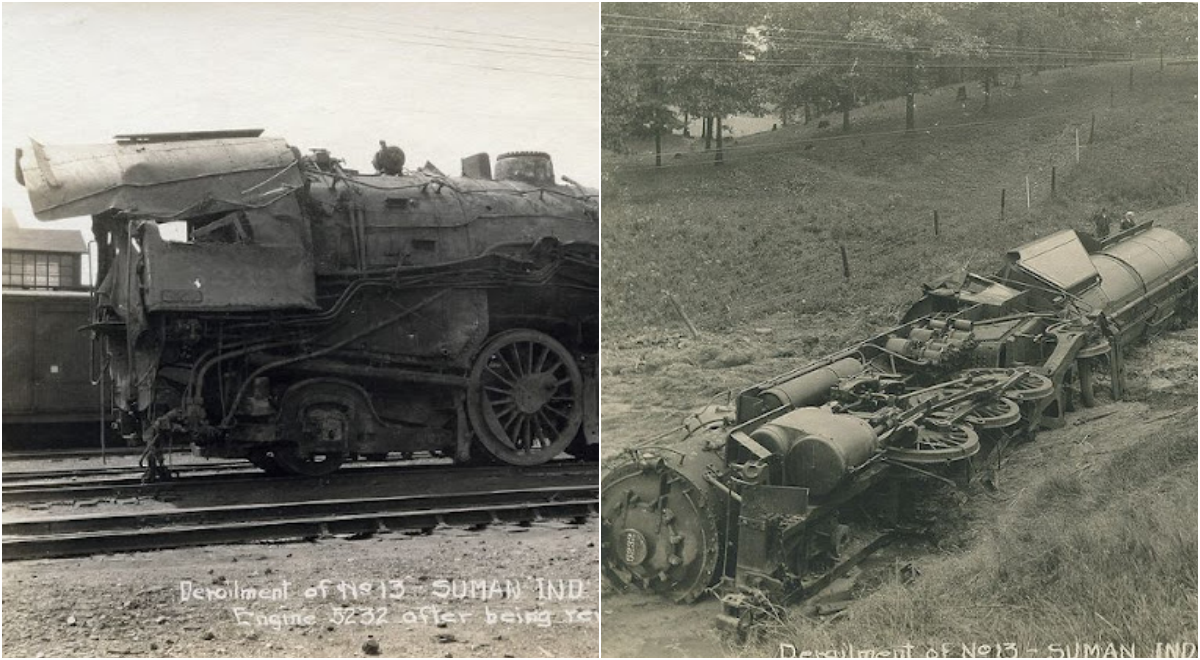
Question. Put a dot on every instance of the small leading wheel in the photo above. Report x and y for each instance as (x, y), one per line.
(288, 458)
(525, 397)
(265, 461)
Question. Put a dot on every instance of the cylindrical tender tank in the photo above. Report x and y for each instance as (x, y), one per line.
(819, 448)
(1136, 265)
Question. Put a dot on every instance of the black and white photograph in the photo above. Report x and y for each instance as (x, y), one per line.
(301, 330)
(899, 330)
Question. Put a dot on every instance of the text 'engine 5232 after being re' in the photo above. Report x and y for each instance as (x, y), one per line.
(306, 313)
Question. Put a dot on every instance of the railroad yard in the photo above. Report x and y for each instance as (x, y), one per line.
(491, 569)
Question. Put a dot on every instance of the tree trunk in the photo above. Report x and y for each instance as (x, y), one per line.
(708, 130)
(807, 114)
(687, 132)
(720, 142)
(658, 147)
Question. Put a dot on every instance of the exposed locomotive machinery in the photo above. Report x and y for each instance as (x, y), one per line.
(755, 512)
(261, 303)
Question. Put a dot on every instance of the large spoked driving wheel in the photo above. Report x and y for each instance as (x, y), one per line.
(525, 397)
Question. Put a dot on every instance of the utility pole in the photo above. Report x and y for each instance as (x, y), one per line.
(910, 103)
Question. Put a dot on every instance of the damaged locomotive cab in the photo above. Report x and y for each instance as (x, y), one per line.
(261, 304)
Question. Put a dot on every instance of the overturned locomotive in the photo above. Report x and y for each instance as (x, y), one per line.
(260, 303)
(758, 512)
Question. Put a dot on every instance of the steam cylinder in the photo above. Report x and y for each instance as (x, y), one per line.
(819, 448)
(812, 388)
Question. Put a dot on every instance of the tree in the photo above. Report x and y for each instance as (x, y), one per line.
(915, 34)
(633, 100)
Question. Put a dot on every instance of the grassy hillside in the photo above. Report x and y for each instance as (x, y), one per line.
(761, 233)
(1091, 535)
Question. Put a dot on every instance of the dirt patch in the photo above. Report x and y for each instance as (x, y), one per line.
(501, 592)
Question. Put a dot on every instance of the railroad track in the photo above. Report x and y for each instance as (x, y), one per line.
(240, 479)
(46, 537)
(134, 470)
(67, 454)
(124, 470)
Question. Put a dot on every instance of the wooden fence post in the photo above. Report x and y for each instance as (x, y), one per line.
(935, 223)
(845, 263)
(682, 314)
(720, 157)
(1003, 193)
(1053, 181)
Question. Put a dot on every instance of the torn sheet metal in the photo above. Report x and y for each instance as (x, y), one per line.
(1059, 259)
(168, 180)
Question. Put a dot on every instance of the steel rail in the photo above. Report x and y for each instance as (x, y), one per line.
(62, 454)
(74, 475)
(96, 534)
(121, 470)
(124, 488)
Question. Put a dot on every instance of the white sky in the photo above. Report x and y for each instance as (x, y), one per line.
(426, 77)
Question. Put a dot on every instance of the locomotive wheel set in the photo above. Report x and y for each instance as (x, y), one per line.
(299, 314)
(757, 511)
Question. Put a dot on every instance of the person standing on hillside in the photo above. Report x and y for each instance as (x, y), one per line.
(1102, 223)
(1127, 222)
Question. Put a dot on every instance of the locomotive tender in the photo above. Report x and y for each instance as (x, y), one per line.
(758, 512)
(261, 303)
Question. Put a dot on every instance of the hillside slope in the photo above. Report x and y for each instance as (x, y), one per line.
(761, 233)
(1090, 537)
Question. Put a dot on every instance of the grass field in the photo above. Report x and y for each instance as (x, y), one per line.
(1091, 538)
(761, 233)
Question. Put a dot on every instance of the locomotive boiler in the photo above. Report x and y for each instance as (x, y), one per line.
(806, 473)
(258, 302)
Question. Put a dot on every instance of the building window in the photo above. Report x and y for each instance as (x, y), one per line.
(40, 270)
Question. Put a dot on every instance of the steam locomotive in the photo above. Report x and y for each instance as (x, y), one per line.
(758, 511)
(262, 303)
